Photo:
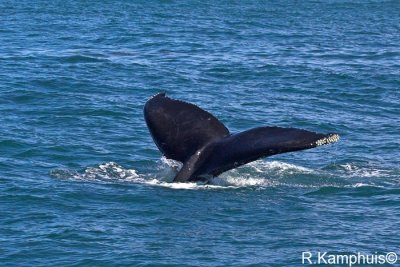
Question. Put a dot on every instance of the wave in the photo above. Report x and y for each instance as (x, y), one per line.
(258, 174)
(352, 170)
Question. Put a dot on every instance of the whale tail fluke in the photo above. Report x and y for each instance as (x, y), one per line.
(186, 133)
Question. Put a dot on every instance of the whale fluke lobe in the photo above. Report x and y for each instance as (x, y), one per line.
(184, 132)
(178, 128)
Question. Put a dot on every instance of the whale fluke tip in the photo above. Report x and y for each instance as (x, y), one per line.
(160, 94)
(328, 139)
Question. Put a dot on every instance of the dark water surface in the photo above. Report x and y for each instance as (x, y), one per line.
(82, 183)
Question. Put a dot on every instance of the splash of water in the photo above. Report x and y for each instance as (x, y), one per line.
(259, 174)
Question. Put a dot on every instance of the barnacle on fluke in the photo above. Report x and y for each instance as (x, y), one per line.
(332, 138)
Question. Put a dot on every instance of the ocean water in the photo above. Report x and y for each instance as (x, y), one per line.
(83, 184)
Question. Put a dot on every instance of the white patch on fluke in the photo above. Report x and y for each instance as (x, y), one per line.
(328, 140)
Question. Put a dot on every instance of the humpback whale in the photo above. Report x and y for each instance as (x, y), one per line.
(184, 132)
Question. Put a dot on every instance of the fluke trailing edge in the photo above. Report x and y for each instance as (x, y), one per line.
(189, 134)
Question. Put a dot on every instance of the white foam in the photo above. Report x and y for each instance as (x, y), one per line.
(354, 171)
(172, 163)
(262, 166)
(227, 180)
(106, 172)
(360, 185)
(187, 186)
(259, 174)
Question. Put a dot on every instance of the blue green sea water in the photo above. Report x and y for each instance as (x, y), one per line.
(83, 184)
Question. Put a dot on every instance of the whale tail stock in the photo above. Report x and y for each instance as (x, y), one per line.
(189, 134)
